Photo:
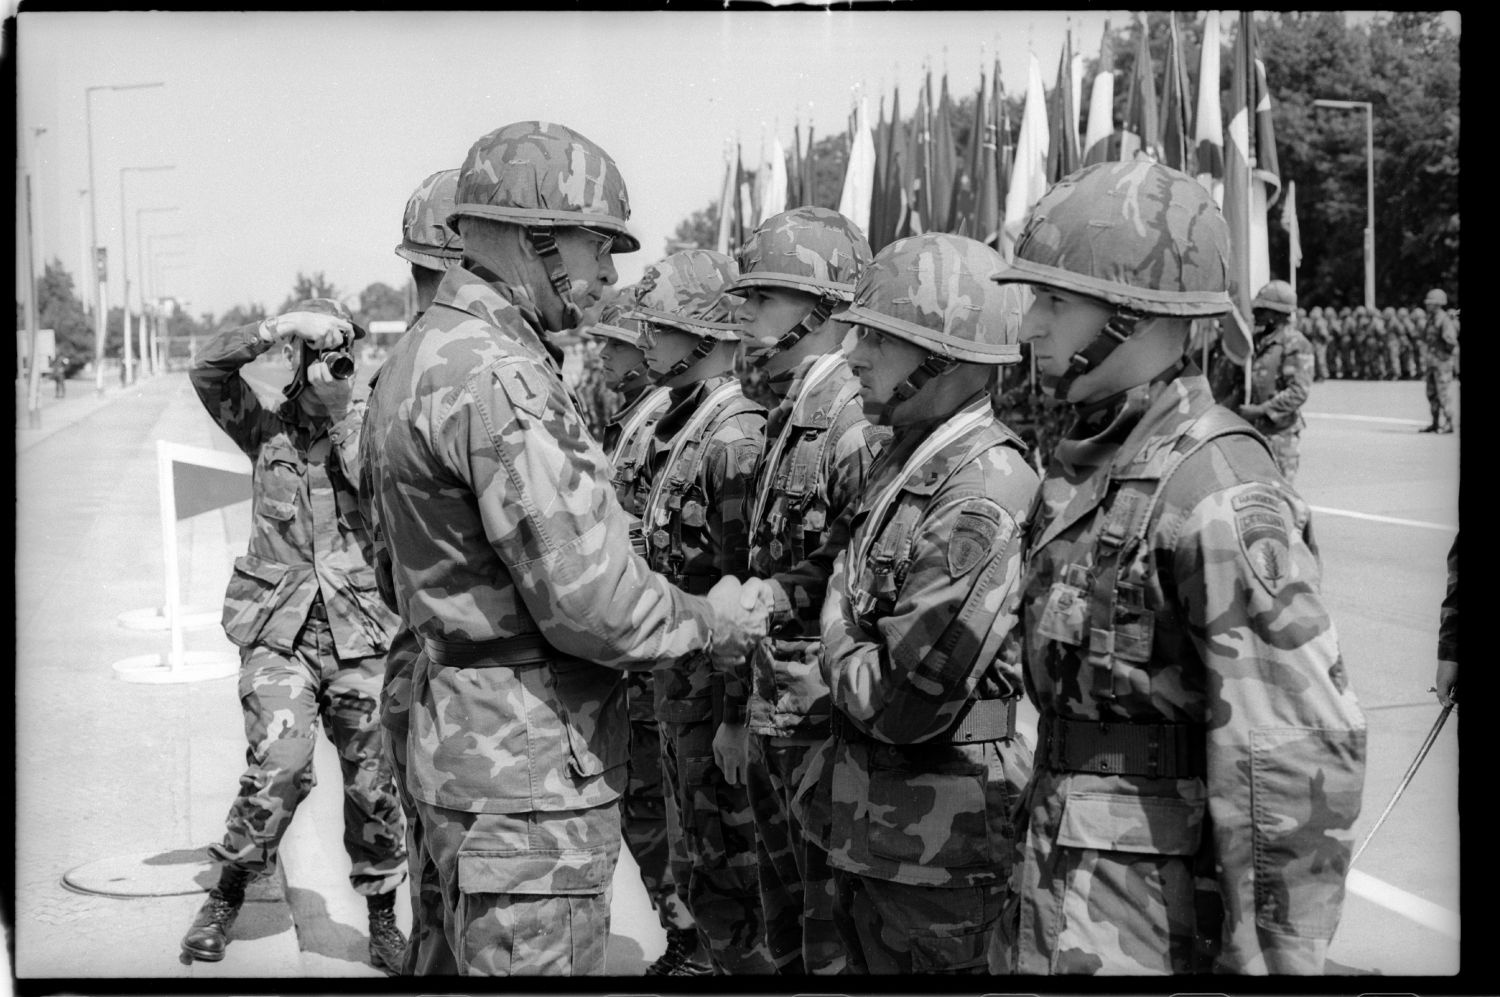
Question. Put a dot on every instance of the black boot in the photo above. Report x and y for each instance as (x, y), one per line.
(209, 935)
(387, 944)
(684, 956)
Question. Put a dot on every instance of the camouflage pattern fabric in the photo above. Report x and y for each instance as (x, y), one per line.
(1213, 621)
(540, 173)
(904, 928)
(919, 625)
(1281, 376)
(687, 291)
(426, 237)
(307, 537)
(525, 894)
(1447, 647)
(810, 249)
(283, 696)
(1441, 339)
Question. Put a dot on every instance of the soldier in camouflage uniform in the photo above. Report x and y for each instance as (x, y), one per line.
(1440, 337)
(311, 628)
(797, 268)
(1281, 375)
(1200, 759)
(431, 248)
(695, 491)
(914, 793)
(510, 555)
(627, 441)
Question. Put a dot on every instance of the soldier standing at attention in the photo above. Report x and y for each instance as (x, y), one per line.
(627, 441)
(1281, 375)
(913, 794)
(798, 267)
(510, 556)
(696, 490)
(312, 630)
(1440, 337)
(431, 247)
(1200, 758)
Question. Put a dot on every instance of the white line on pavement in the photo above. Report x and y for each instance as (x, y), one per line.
(1326, 511)
(1408, 905)
(1363, 418)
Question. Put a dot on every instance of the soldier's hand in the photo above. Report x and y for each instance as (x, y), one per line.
(335, 392)
(319, 330)
(1443, 683)
(732, 751)
(736, 629)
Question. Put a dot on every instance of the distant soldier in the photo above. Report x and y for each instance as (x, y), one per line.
(696, 496)
(1318, 335)
(431, 248)
(1200, 760)
(797, 268)
(1440, 335)
(627, 440)
(1392, 339)
(510, 555)
(312, 631)
(59, 374)
(913, 795)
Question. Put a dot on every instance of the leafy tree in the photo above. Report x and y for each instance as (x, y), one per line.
(701, 229)
(380, 302)
(309, 286)
(237, 316)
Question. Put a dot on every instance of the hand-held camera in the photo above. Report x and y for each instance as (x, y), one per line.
(340, 362)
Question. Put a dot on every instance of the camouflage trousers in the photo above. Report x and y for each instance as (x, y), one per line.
(796, 884)
(715, 868)
(1439, 393)
(644, 807)
(283, 697)
(896, 928)
(1286, 447)
(525, 893)
(427, 951)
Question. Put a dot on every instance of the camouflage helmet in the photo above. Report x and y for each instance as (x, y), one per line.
(539, 174)
(1436, 296)
(613, 325)
(936, 291)
(426, 237)
(810, 249)
(1138, 235)
(1277, 296)
(325, 306)
(686, 291)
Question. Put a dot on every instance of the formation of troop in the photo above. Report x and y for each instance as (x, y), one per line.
(778, 652)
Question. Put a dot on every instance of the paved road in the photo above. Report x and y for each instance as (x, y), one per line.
(116, 772)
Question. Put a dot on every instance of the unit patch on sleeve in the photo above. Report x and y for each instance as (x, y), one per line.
(1261, 528)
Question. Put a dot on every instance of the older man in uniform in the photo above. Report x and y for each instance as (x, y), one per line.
(1200, 760)
(511, 557)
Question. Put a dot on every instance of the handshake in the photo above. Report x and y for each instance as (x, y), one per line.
(741, 619)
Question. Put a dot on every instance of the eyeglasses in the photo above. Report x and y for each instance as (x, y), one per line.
(605, 247)
(864, 334)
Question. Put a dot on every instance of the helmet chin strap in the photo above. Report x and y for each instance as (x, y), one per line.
(821, 309)
(544, 241)
(1116, 330)
(931, 366)
(705, 346)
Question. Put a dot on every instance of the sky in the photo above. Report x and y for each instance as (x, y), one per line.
(294, 139)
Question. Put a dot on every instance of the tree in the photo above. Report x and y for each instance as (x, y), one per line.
(380, 302)
(315, 286)
(58, 308)
(701, 229)
(237, 316)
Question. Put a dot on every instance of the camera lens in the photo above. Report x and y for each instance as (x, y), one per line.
(340, 364)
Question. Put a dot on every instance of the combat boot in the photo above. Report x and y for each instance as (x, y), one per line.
(684, 956)
(387, 944)
(209, 936)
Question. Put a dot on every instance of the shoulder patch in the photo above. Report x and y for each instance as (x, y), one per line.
(1261, 529)
(974, 535)
(525, 387)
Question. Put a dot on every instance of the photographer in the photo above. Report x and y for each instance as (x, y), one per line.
(303, 608)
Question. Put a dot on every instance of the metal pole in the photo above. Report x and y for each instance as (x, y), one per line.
(148, 353)
(125, 285)
(1370, 206)
(83, 249)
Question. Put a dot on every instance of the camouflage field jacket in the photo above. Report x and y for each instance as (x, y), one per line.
(307, 536)
(1281, 376)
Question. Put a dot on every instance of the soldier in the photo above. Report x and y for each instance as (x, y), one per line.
(696, 489)
(1317, 334)
(1391, 338)
(1178, 649)
(1281, 375)
(913, 794)
(1440, 335)
(312, 632)
(1445, 679)
(627, 441)
(431, 247)
(511, 556)
(797, 268)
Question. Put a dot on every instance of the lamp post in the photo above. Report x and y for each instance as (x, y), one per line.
(100, 315)
(125, 269)
(148, 339)
(1369, 109)
(148, 267)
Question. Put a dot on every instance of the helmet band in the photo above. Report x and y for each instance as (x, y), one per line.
(1116, 330)
(819, 314)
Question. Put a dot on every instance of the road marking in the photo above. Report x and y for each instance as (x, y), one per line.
(1394, 521)
(1408, 905)
(1364, 418)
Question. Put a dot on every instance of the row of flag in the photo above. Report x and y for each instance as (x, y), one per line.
(908, 176)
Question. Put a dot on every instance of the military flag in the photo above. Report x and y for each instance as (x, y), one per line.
(809, 188)
(744, 215)
(859, 175)
(1176, 146)
(1245, 200)
(895, 223)
(987, 197)
(770, 182)
(944, 161)
(919, 154)
(1028, 178)
(1267, 163)
(1141, 137)
(966, 178)
(1004, 151)
(1208, 122)
(727, 232)
(1062, 117)
(794, 170)
(878, 208)
(1293, 233)
(1099, 144)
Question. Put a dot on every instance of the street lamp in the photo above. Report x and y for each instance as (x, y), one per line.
(125, 269)
(100, 315)
(1369, 109)
(147, 351)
